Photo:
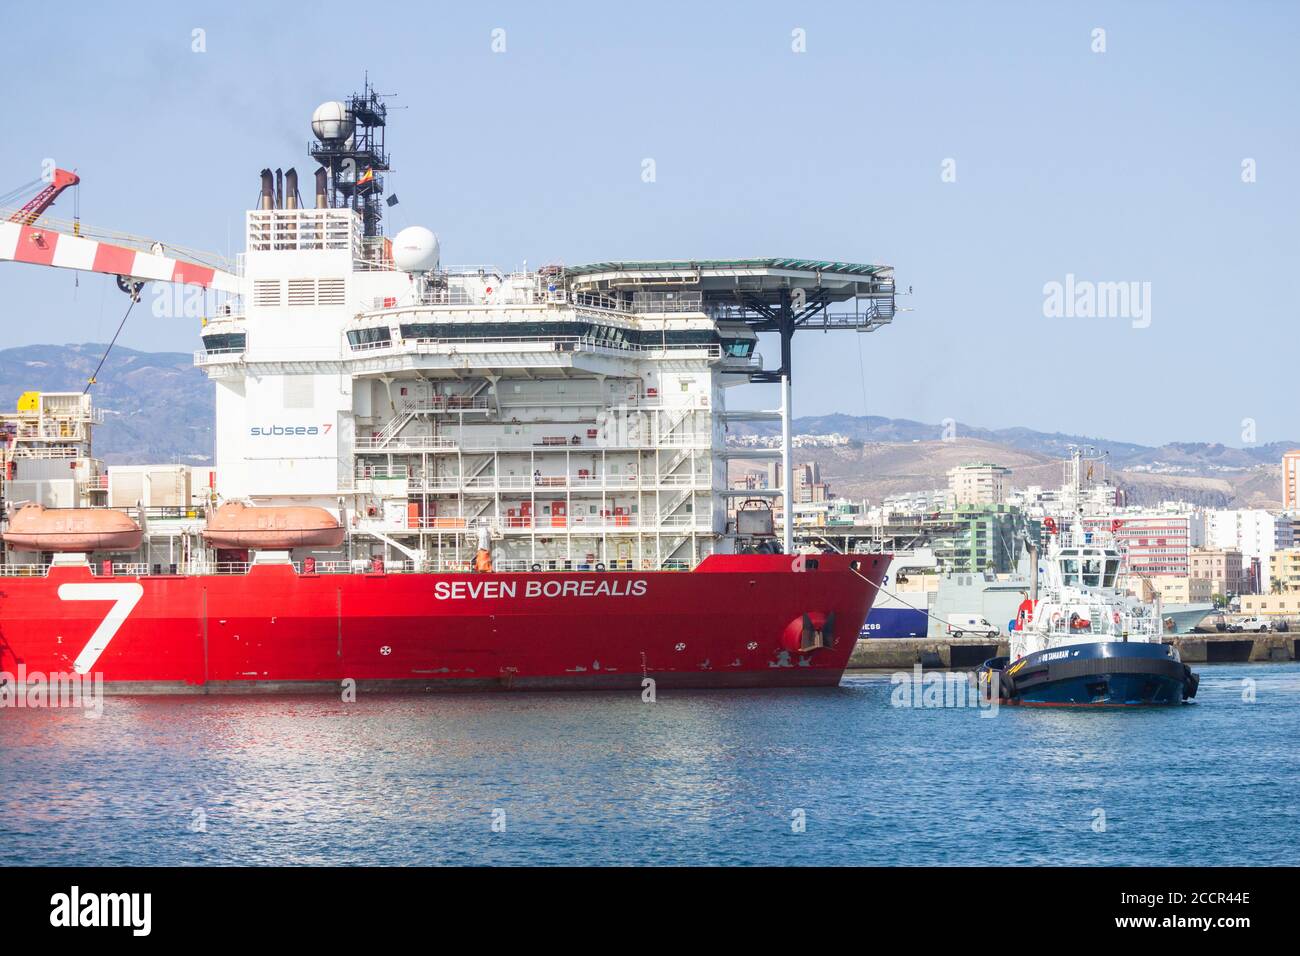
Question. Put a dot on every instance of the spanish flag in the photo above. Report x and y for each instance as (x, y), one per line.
(367, 177)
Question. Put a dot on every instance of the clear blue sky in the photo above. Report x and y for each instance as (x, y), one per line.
(1115, 166)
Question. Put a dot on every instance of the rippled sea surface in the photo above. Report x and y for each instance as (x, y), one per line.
(696, 777)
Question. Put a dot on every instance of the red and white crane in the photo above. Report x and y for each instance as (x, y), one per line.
(44, 199)
(25, 236)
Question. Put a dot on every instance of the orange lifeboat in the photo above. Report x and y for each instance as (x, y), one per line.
(37, 528)
(236, 525)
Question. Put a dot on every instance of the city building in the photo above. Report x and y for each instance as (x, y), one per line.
(1277, 605)
(1286, 532)
(1040, 502)
(834, 513)
(1181, 589)
(1284, 570)
(1252, 531)
(917, 502)
(1153, 542)
(1221, 568)
(979, 538)
(1291, 480)
(808, 484)
(978, 483)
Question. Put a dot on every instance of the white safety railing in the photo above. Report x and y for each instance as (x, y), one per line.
(472, 445)
(304, 230)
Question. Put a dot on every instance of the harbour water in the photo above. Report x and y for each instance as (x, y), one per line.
(835, 776)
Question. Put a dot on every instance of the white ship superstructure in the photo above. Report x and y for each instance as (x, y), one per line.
(579, 416)
(555, 418)
(575, 417)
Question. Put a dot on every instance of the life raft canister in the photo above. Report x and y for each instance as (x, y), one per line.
(1025, 614)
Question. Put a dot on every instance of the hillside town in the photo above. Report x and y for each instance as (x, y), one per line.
(1243, 559)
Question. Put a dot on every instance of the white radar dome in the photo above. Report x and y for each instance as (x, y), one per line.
(332, 122)
(415, 249)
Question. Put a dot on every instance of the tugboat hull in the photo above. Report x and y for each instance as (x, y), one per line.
(1104, 674)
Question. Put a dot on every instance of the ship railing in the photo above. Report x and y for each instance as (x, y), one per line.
(594, 524)
(611, 522)
(304, 230)
(23, 570)
(524, 565)
(559, 443)
(48, 453)
(372, 346)
(1101, 621)
(354, 566)
(544, 564)
(344, 566)
(644, 303)
(606, 303)
(50, 428)
(475, 269)
(507, 483)
(659, 303)
(375, 442)
(210, 356)
(1088, 539)
(364, 566)
(556, 343)
(699, 440)
(383, 473)
(131, 568)
(511, 295)
(447, 403)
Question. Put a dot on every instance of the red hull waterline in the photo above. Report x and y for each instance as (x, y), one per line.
(734, 621)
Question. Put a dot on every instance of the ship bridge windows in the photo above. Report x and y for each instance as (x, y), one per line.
(1112, 569)
(1070, 568)
(594, 333)
(680, 337)
(738, 340)
(1092, 565)
(225, 342)
(372, 338)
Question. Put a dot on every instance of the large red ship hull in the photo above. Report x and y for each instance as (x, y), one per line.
(728, 623)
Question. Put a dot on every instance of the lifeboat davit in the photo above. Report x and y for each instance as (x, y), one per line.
(37, 528)
(236, 525)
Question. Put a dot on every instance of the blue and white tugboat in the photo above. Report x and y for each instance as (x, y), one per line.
(1083, 641)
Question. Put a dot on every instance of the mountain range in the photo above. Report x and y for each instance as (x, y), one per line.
(159, 408)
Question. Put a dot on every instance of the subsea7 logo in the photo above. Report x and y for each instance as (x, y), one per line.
(124, 597)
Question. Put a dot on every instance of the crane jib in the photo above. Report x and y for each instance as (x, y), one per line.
(39, 246)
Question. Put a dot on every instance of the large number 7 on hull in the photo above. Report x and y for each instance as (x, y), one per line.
(124, 597)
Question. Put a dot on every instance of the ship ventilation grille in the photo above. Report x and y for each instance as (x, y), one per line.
(266, 292)
(302, 291)
(330, 292)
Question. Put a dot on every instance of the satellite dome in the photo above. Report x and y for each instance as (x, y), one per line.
(415, 249)
(332, 122)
